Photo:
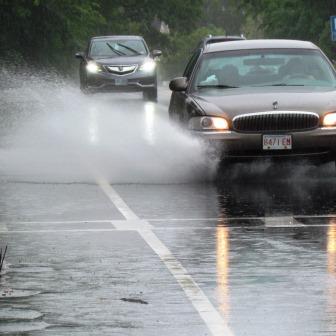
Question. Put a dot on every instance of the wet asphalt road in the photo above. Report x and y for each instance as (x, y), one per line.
(123, 254)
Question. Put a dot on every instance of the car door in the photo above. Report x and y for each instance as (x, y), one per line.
(179, 100)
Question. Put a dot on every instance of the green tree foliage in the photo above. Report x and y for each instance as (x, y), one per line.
(180, 47)
(43, 31)
(224, 14)
(295, 19)
(49, 32)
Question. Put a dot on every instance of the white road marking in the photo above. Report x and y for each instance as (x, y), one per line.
(284, 246)
(62, 230)
(116, 199)
(212, 318)
(127, 225)
(3, 227)
(202, 219)
(282, 222)
(264, 219)
(124, 226)
(98, 221)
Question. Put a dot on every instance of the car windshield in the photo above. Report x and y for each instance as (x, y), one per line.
(117, 48)
(267, 67)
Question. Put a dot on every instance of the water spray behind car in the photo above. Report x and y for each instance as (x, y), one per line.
(55, 133)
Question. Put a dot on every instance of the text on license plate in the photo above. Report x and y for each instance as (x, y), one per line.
(121, 81)
(277, 142)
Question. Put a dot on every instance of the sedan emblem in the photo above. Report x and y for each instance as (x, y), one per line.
(275, 105)
(121, 68)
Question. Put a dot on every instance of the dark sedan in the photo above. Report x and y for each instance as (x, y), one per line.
(119, 63)
(259, 99)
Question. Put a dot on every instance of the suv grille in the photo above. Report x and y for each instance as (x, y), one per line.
(121, 69)
(276, 121)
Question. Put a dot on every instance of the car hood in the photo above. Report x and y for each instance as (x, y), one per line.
(232, 102)
(122, 60)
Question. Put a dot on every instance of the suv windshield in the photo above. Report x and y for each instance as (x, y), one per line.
(116, 48)
(266, 67)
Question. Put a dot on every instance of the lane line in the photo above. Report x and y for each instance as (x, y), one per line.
(212, 318)
(3, 227)
(214, 321)
(284, 221)
(128, 225)
(63, 230)
(64, 222)
(131, 227)
(116, 200)
(284, 246)
(201, 219)
(296, 218)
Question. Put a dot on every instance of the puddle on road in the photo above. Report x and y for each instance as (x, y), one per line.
(133, 300)
(21, 327)
(18, 314)
(29, 268)
(9, 293)
(54, 133)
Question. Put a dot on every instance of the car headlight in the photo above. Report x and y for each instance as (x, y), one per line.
(329, 120)
(93, 67)
(208, 123)
(148, 66)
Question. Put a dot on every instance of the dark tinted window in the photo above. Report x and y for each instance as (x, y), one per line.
(266, 67)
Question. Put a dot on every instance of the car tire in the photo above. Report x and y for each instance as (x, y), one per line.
(150, 94)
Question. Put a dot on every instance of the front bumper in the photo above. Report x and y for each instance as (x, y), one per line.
(318, 145)
(105, 81)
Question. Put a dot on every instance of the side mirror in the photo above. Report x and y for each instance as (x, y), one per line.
(156, 53)
(178, 84)
(79, 55)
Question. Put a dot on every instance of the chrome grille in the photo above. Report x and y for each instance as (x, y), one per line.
(121, 69)
(275, 121)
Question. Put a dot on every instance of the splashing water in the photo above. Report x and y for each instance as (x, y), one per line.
(51, 132)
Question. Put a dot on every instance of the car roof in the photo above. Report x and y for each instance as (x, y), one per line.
(259, 44)
(116, 37)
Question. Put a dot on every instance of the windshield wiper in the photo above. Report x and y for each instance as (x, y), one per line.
(118, 52)
(219, 86)
(129, 48)
(279, 84)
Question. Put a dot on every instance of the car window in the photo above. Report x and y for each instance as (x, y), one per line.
(191, 64)
(117, 48)
(293, 67)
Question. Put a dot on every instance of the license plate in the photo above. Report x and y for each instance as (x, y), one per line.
(277, 142)
(121, 81)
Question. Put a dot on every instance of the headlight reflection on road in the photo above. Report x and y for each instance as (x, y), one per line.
(222, 252)
(331, 259)
(149, 122)
(331, 247)
(93, 126)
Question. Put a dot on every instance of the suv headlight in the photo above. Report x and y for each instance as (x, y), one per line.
(329, 120)
(93, 67)
(208, 124)
(148, 66)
